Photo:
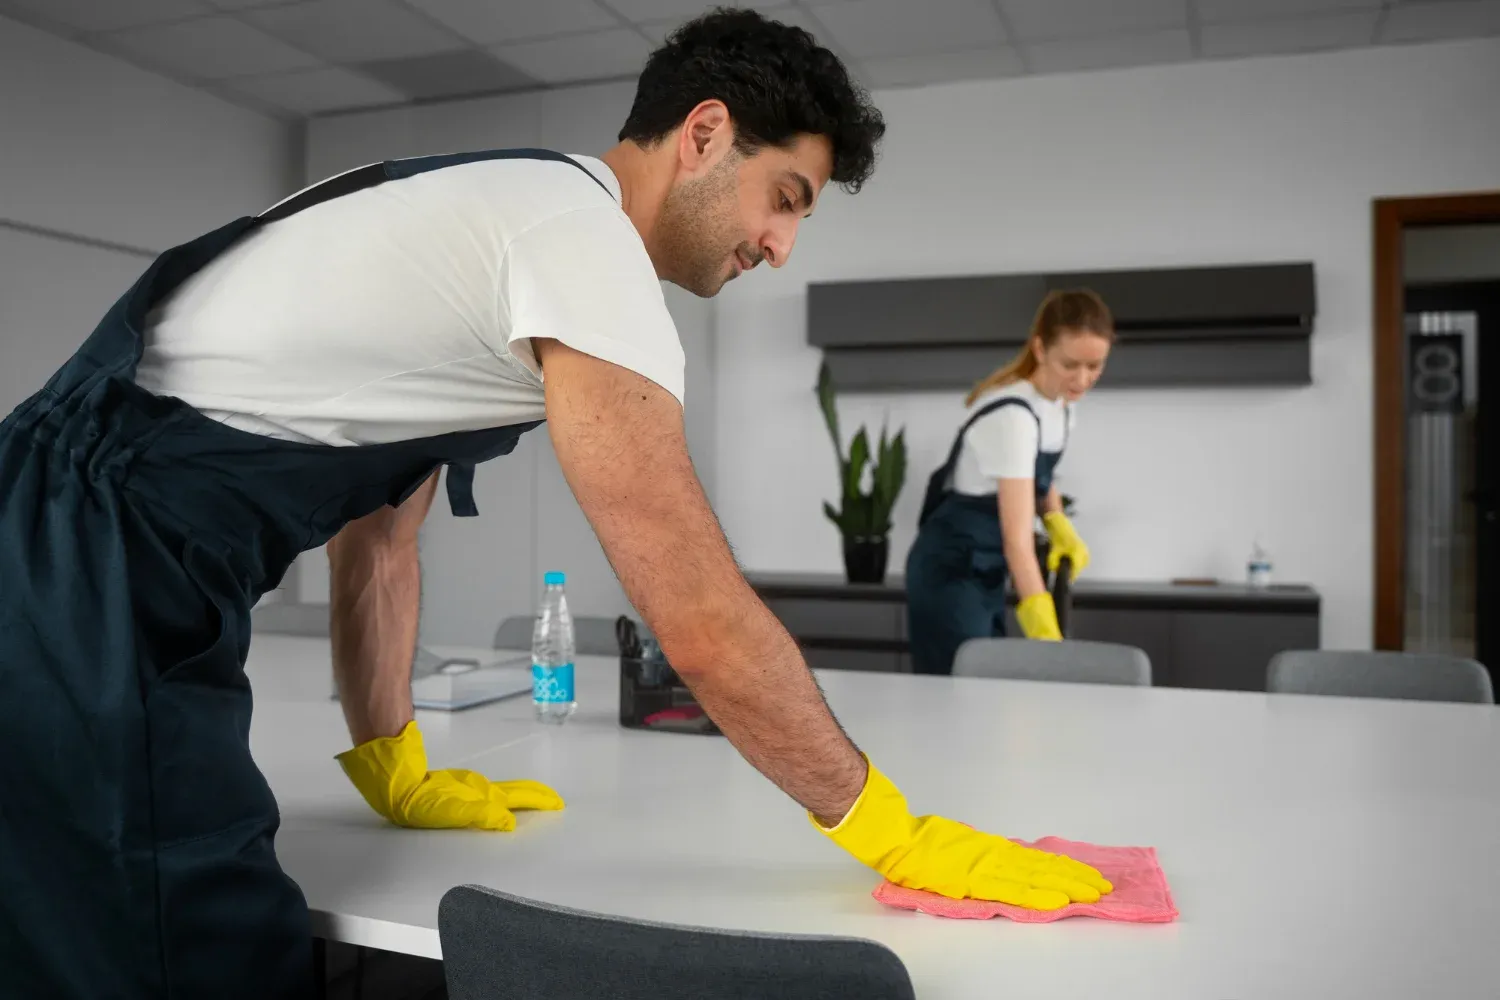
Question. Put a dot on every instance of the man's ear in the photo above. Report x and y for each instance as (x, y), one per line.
(706, 136)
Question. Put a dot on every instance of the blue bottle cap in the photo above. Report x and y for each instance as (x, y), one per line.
(555, 579)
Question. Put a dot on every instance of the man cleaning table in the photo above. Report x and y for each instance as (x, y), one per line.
(304, 376)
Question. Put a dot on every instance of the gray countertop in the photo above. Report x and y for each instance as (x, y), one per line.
(1087, 592)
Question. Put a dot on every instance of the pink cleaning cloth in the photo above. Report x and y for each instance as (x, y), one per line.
(1141, 894)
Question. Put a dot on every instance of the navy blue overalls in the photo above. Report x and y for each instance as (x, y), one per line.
(956, 572)
(136, 833)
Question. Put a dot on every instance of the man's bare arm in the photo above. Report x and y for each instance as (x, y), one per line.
(374, 607)
(619, 438)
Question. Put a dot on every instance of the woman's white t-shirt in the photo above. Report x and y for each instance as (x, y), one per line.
(407, 310)
(1004, 444)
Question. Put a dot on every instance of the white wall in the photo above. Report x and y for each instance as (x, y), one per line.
(1451, 253)
(107, 157)
(93, 147)
(1256, 160)
(1260, 160)
(477, 571)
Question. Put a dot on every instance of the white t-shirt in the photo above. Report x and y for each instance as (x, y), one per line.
(1004, 444)
(406, 310)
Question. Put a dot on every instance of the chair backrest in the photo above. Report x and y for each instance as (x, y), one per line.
(591, 636)
(1074, 660)
(1366, 674)
(502, 947)
(515, 633)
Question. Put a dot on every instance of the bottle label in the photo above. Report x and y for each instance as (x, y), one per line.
(552, 684)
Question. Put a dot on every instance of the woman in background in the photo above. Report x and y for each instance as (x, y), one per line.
(978, 521)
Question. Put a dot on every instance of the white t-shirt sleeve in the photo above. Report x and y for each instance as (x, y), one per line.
(1005, 443)
(583, 278)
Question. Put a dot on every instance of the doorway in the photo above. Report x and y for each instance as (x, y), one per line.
(1437, 444)
(1453, 354)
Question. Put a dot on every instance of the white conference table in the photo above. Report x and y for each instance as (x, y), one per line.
(1316, 847)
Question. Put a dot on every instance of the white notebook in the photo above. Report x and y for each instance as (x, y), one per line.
(450, 680)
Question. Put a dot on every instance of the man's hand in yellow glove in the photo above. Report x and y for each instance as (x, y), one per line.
(391, 773)
(1065, 542)
(1037, 616)
(942, 856)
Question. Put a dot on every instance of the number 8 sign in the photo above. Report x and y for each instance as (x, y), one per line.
(1435, 373)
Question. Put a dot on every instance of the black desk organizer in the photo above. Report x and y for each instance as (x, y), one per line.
(652, 696)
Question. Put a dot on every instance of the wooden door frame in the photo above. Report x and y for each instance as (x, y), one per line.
(1391, 218)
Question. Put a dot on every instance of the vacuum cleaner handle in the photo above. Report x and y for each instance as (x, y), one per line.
(1062, 594)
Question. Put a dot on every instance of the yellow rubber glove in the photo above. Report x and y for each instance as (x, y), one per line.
(1037, 616)
(954, 860)
(1065, 542)
(391, 773)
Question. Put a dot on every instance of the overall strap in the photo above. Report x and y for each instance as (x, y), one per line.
(984, 411)
(937, 483)
(373, 174)
(460, 482)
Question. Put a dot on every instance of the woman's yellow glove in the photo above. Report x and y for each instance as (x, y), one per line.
(954, 860)
(1037, 616)
(391, 773)
(1065, 542)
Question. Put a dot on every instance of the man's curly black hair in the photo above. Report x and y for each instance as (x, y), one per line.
(776, 81)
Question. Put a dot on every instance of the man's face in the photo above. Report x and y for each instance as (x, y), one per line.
(740, 211)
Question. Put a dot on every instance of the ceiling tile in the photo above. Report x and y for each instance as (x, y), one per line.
(874, 28)
(110, 15)
(664, 10)
(320, 90)
(245, 4)
(352, 31)
(1222, 11)
(208, 48)
(599, 55)
(486, 22)
(1048, 19)
(1306, 34)
(794, 16)
(449, 74)
(944, 67)
(1430, 22)
(1070, 55)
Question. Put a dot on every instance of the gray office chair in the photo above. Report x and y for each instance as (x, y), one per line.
(501, 947)
(592, 636)
(1074, 660)
(1363, 674)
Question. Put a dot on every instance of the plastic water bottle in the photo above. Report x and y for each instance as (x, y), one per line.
(1258, 567)
(552, 654)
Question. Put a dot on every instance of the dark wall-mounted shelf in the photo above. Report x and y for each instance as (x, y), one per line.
(1207, 326)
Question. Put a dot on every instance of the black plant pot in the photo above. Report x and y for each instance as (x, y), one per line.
(865, 559)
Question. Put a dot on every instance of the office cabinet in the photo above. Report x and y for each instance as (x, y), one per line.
(1149, 631)
(843, 619)
(1226, 651)
(1218, 637)
(836, 658)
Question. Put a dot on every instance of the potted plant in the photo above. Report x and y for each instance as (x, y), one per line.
(863, 517)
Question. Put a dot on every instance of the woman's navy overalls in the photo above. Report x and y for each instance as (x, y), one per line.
(956, 572)
(136, 855)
